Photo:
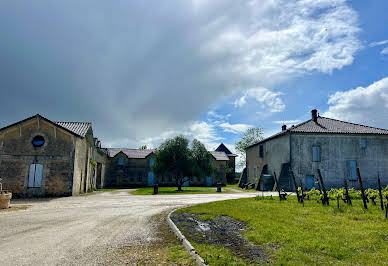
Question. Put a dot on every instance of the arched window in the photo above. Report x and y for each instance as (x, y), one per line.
(38, 141)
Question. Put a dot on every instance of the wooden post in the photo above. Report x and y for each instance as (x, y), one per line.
(380, 194)
(325, 198)
(347, 197)
(386, 211)
(361, 188)
(277, 185)
(296, 187)
(301, 197)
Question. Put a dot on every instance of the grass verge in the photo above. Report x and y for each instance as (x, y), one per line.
(174, 190)
(296, 235)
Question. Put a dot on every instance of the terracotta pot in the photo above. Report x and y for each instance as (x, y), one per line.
(5, 198)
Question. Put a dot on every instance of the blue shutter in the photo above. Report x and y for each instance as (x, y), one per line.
(316, 154)
(38, 175)
(363, 143)
(120, 161)
(152, 161)
(352, 168)
(31, 176)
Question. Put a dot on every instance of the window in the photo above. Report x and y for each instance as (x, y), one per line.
(352, 170)
(261, 151)
(363, 143)
(35, 175)
(120, 161)
(152, 161)
(316, 154)
(38, 141)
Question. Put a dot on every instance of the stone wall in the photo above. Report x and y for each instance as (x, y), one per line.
(275, 153)
(336, 150)
(56, 155)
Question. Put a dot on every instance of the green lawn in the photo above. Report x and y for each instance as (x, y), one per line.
(174, 190)
(296, 235)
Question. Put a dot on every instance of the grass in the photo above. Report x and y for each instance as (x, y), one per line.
(296, 235)
(235, 186)
(174, 190)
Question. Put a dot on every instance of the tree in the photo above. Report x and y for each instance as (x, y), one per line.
(203, 160)
(143, 147)
(173, 157)
(251, 136)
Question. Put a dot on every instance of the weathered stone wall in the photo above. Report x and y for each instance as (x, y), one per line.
(275, 153)
(336, 150)
(56, 155)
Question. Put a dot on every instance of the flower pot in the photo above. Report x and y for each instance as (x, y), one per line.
(5, 198)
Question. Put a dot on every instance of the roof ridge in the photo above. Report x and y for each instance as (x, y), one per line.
(356, 124)
(72, 122)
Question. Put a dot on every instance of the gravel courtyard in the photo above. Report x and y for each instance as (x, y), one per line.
(85, 230)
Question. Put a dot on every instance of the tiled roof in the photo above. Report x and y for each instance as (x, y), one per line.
(220, 155)
(223, 148)
(326, 125)
(131, 153)
(78, 128)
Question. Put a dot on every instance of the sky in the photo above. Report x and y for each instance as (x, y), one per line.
(143, 71)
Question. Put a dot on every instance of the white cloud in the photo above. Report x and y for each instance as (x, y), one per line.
(200, 130)
(373, 44)
(286, 122)
(366, 105)
(212, 114)
(234, 128)
(269, 100)
(384, 51)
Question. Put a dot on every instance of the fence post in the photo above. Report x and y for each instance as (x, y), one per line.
(295, 185)
(361, 188)
(380, 194)
(325, 198)
(277, 185)
(347, 197)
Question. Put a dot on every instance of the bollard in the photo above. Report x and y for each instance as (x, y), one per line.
(219, 187)
(156, 189)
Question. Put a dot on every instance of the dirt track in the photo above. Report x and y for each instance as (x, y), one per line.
(86, 230)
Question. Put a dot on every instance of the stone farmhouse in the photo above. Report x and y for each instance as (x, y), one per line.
(40, 158)
(132, 168)
(336, 147)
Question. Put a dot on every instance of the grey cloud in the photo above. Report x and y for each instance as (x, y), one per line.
(140, 68)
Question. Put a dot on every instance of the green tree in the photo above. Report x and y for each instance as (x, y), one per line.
(203, 161)
(251, 136)
(174, 158)
(143, 147)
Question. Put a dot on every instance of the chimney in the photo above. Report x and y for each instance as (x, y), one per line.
(284, 127)
(314, 115)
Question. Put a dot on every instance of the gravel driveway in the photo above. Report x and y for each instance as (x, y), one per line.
(84, 230)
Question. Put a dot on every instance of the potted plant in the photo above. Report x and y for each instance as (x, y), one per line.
(5, 197)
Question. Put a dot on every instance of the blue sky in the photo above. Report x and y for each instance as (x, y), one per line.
(313, 90)
(142, 71)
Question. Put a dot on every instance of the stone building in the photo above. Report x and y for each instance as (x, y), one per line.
(335, 147)
(230, 175)
(40, 157)
(132, 168)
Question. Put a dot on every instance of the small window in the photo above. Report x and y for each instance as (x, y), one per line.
(120, 161)
(261, 151)
(363, 143)
(316, 154)
(152, 161)
(35, 176)
(38, 141)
